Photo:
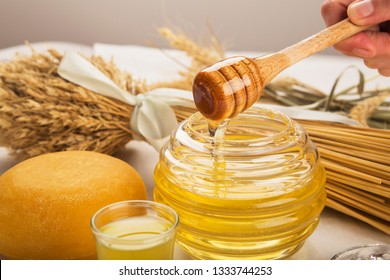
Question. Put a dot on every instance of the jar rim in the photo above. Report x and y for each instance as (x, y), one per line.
(256, 112)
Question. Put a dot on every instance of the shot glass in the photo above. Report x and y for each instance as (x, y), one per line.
(135, 230)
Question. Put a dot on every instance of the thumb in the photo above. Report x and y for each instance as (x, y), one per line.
(369, 12)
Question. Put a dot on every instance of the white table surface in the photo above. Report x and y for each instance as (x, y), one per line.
(335, 232)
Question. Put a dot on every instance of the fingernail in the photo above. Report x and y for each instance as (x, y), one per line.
(361, 9)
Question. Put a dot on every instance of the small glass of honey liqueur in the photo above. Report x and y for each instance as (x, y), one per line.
(253, 190)
(135, 230)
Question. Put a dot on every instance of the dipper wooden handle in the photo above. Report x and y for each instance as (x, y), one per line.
(229, 87)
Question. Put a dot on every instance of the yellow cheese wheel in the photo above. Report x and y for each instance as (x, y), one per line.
(46, 203)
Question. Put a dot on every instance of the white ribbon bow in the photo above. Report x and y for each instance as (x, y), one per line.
(152, 116)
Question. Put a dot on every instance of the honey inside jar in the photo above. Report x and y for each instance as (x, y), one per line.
(254, 192)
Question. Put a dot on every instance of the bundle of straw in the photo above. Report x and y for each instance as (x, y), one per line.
(358, 170)
(40, 112)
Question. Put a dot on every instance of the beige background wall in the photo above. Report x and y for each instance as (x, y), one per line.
(250, 25)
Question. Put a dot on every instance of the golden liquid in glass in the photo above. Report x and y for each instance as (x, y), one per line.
(136, 238)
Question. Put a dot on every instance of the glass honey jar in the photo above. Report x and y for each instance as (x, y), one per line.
(253, 191)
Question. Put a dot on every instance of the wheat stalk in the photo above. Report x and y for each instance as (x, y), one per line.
(200, 57)
(364, 109)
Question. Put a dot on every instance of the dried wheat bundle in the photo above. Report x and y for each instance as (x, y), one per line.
(40, 112)
(358, 169)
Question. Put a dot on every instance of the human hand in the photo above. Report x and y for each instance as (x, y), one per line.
(372, 45)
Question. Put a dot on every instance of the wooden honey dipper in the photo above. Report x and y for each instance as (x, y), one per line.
(231, 86)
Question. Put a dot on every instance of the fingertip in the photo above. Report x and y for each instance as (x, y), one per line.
(359, 11)
(333, 11)
(369, 12)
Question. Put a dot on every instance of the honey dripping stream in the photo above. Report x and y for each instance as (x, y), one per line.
(217, 131)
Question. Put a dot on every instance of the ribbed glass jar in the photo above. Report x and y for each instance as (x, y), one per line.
(255, 193)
